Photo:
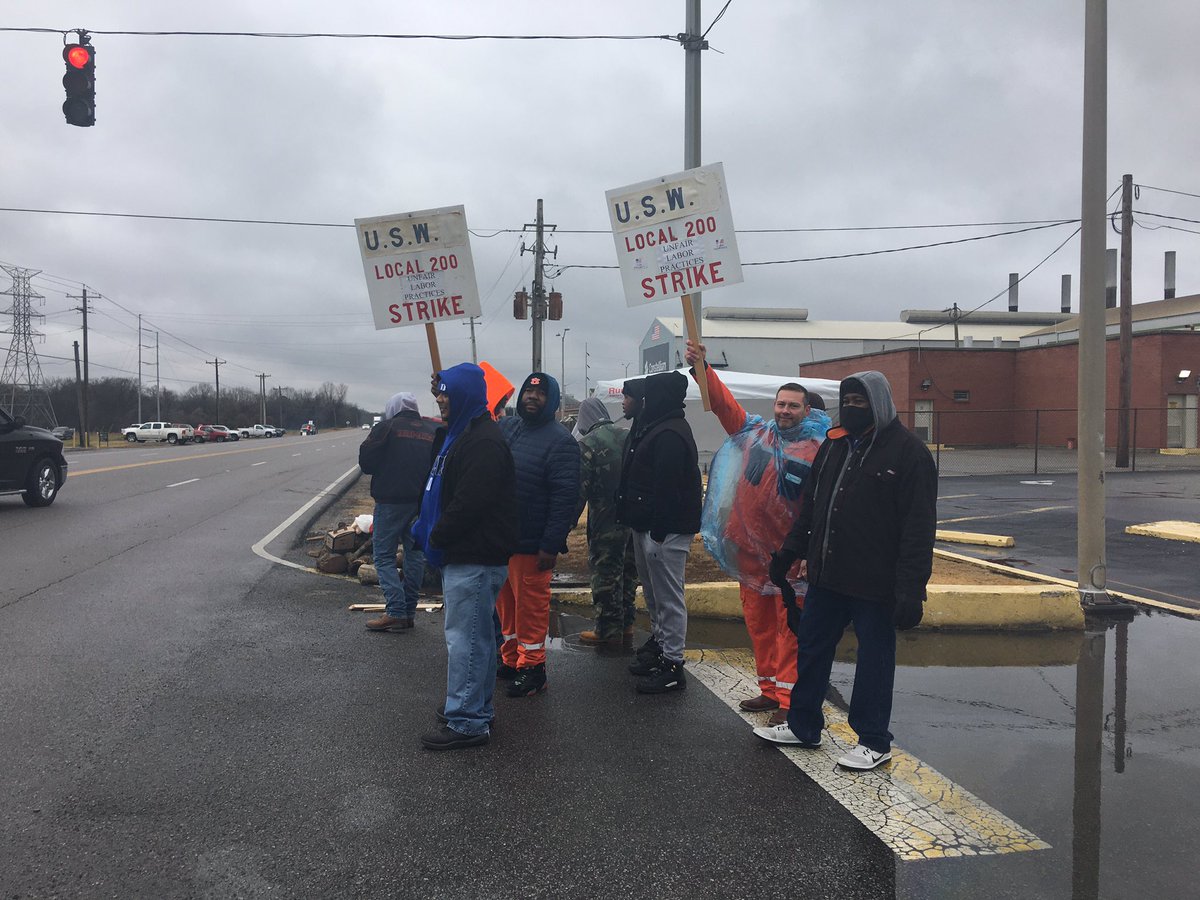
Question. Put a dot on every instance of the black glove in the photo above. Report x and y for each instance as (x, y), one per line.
(756, 464)
(781, 563)
(908, 612)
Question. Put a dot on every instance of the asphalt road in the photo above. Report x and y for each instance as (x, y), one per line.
(182, 718)
(1040, 513)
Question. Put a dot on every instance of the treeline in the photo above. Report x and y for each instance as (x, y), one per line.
(113, 404)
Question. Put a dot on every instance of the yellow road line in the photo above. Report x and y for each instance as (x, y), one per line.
(158, 462)
(914, 809)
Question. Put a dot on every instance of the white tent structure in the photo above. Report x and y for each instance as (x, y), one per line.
(755, 392)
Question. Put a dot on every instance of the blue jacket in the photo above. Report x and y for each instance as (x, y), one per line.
(547, 462)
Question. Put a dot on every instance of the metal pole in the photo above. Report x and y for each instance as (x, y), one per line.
(1037, 437)
(86, 422)
(139, 367)
(539, 292)
(693, 46)
(1092, 569)
(1133, 447)
(157, 381)
(563, 360)
(1125, 386)
(79, 393)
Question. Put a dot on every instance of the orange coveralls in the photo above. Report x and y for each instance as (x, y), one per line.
(756, 522)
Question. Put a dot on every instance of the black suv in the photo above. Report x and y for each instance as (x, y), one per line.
(31, 461)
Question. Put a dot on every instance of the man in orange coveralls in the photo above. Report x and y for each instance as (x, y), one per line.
(751, 502)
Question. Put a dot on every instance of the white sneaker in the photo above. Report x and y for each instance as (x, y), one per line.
(781, 734)
(863, 758)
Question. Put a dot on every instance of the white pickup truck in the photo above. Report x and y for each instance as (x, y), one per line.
(257, 431)
(159, 431)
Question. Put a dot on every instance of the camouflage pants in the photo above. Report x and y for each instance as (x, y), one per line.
(614, 582)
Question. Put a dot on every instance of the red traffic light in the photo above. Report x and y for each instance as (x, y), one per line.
(77, 55)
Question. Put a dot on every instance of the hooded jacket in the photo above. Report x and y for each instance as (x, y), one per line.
(601, 447)
(547, 463)
(660, 490)
(398, 452)
(868, 510)
(469, 510)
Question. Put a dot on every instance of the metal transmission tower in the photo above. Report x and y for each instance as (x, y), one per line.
(24, 389)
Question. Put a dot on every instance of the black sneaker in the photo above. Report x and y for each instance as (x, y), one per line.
(649, 650)
(529, 681)
(505, 673)
(446, 738)
(667, 676)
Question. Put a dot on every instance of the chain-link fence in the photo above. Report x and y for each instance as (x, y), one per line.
(1043, 441)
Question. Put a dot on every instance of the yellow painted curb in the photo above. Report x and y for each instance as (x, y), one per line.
(1179, 451)
(1018, 607)
(971, 537)
(1171, 531)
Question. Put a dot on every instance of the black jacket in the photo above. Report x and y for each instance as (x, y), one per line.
(660, 476)
(478, 521)
(868, 515)
(397, 455)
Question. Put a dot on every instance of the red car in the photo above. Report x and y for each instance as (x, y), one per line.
(218, 434)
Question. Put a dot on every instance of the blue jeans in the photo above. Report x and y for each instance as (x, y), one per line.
(393, 526)
(824, 619)
(469, 593)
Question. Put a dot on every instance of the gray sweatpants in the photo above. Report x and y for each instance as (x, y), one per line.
(660, 567)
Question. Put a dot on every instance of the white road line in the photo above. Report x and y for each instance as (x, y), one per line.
(1005, 515)
(914, 809)
(295, 454)
(260, 549)
(263, 463)
(181, 483)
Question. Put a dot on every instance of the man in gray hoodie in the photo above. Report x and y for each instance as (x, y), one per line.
(864, 539)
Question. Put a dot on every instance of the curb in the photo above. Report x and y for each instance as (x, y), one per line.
(1017, 607)
(1170, 530)
(973, 537)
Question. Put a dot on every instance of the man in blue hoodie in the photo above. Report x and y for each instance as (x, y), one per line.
(547, 464)
(468, 527)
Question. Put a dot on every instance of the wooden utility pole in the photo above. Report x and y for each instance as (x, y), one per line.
(1125, 386)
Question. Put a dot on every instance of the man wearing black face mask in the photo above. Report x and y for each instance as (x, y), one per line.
(864, 537)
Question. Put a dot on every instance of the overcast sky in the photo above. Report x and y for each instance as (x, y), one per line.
(824, 114)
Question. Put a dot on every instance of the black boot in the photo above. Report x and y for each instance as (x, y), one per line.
(667, 676)
(645, 665)
(529, 681)
(504, 672)
(649, 650)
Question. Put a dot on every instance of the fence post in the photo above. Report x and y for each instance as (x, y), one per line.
(937, 439)
(1037, 432)
(1133, 449)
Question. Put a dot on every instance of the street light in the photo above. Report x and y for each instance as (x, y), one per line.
(563, 360)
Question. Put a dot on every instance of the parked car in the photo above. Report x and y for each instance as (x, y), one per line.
(159, 431)
(217, 434)
(308, 428)
(63, 433)
(279, 432)
(31, 461)
(256, 431)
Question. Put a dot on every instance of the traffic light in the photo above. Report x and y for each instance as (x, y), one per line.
(80, 82)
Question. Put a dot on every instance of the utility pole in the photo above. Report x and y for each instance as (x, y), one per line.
(157, 381)
(279, 390)
(216, 364)
(83, 391)
(693, 45)
(474, 354)
(563, 359)
(538, 300)
(79, 396)
(955, 312)
(262, 397)
(1125, 387)
(139, 367)
(1091, 565)
(586, 356)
